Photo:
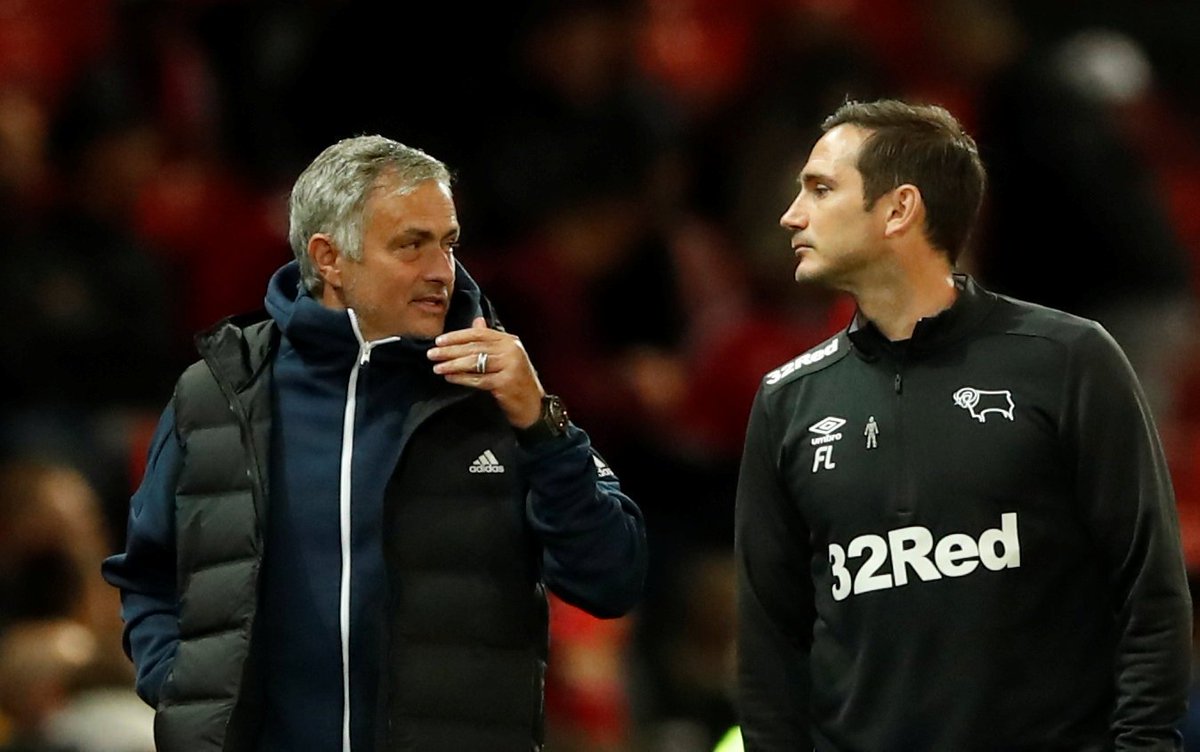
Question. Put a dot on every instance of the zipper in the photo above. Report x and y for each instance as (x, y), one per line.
(344, 492)
(902, 501)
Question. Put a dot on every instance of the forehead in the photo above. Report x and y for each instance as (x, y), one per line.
(428, 201)
(836, 152)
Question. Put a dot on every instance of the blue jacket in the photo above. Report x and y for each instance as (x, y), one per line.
(319, 600)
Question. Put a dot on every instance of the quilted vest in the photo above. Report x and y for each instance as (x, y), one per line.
(222, 408)
(467, 620)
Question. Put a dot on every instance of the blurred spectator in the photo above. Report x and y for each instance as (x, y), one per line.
(685, 669)
(294, 77)
(52, 539)
(38, 664)
(576, 122)
(56, 696)
(90, 298)
(587, 692)
(97, 332)
(1074, 219)
(24, 172)
(60, 626)
(576, 174)
(44, 44)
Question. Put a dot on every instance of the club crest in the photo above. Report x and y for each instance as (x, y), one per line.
(981, 402)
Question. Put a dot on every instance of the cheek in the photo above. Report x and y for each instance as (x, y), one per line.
(365, 292)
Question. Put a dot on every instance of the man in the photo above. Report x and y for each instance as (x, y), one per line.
(352, 509)
(955, 527)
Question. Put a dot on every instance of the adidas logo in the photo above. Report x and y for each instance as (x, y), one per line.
(486, 463)
(602, 470)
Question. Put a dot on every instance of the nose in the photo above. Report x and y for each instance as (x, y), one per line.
(795, 218)
(440, 268)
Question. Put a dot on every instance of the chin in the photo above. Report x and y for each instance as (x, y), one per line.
(419, 333)
(426, 330)
(807, 274)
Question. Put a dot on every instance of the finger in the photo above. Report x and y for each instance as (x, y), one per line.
(453, 352)
(450, 352)
(463, 336)
(473, 380)
(468, 364)
(479, 323)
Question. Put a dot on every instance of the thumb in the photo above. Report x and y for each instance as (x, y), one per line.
(479, 323)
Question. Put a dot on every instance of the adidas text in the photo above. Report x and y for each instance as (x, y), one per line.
(486, 463)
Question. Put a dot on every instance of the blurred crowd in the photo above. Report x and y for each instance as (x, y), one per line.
(621, 166)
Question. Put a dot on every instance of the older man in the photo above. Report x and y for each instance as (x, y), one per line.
(352, 508)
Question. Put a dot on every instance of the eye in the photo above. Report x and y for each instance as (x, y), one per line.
(820, 189)
(407, 251)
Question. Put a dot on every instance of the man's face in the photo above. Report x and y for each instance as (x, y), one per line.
(834, 238)
(403, 283)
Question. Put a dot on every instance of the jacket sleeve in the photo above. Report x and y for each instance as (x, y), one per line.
(1127, 503)
(774, 597)
(593, 535)
(146, 571)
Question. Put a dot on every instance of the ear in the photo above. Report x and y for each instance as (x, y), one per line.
(905, 211)
(327, 259)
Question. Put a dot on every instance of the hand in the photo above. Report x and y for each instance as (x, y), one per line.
(507, 373)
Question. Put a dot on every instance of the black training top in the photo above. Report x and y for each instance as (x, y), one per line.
(966, 541)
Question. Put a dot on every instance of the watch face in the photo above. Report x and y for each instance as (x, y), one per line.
(556, 412)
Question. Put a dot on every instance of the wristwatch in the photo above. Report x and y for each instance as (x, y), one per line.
(551, 423)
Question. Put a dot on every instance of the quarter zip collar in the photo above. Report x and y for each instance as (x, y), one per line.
(930, 334)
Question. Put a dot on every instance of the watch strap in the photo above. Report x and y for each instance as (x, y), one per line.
(551, 423)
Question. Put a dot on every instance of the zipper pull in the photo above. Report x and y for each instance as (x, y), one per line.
(899, 384)
(364, 354)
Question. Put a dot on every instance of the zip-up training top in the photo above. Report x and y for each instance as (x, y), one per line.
(964, 541)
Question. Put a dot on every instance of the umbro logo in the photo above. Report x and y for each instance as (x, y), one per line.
(824, 428)
(486, 463)
(827, 432)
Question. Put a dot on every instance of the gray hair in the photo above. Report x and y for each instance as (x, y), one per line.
(330, 195)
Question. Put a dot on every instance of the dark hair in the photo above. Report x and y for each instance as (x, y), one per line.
(925, 146)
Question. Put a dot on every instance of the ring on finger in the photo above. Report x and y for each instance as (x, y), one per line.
(481, 360)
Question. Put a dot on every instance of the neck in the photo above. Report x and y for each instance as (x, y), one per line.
(896, 302)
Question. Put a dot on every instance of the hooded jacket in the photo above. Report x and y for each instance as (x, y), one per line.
(401, 541)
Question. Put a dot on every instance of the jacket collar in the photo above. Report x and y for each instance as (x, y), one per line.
(328, 335)
(970, 307)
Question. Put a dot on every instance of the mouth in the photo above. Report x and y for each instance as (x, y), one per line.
(432, 303)
(800, 249)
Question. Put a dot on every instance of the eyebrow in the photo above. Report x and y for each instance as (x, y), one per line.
(418, 234)
(808, 178)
